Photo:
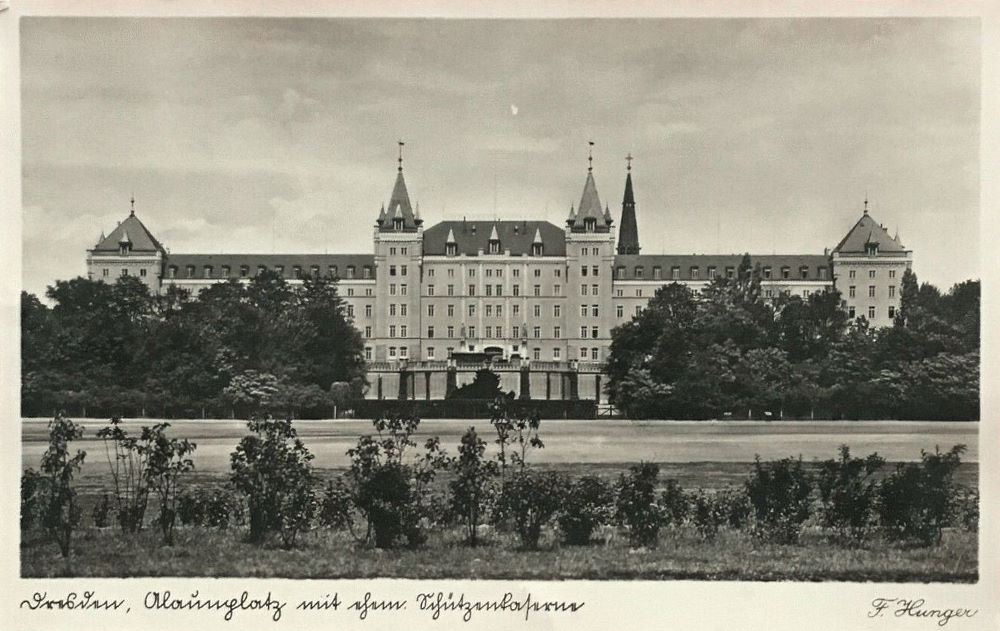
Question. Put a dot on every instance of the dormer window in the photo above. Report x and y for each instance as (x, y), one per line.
(494, 247)
(190, 271)
(366, 271)
(871, 249)
(804, 272)
(297, 271)
(261, 269)
(207, 271)
(397, 223)
(589, 224)
(536, 249)
(350, 271)
(225, 271)
(124, 247)
(785, 272)
(244, 271)
(333, 271)
(451, 249)
(280, 270)
(171, 272)
(314, 271)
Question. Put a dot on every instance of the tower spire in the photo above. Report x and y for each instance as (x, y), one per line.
(628, 234)
(866, 202)
(590, 157)
(132, 202)
(400, 159)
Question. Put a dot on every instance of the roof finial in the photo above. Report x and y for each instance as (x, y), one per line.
(132, 201)
(866, 202)
(590, 157)
(400, 160)
(629, 159)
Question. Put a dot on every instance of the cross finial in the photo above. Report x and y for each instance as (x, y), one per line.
(590, 157)
(132, 202)
(400, 160)
(866, 202)
(629, 159)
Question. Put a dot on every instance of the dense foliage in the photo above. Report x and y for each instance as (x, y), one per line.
(730, 352)
(118, 349)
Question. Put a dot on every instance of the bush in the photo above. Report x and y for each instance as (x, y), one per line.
(272, 468)
(470, 490)
(674, 503)
(101, 512)
(707, 514)
(966, 509)
(636, 507)
(587, 504)
(127, 458)
(394, 498)
(530, 499)
(60, 512)
(779, 495)
(335, 506)
(735, 506)
(166, 463)
(915, 502)
(32, 488)
(847, 493)
(190, 509)
(516, 432)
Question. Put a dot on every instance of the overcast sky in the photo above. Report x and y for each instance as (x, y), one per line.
(280, 135)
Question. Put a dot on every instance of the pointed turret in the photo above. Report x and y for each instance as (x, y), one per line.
(399, 213)
(572, 216)
(381, 216)
(590, 216)
(131, 232)
(628, 230)
(493, 234)
(866, 237)
(451, 236)
(538, 236)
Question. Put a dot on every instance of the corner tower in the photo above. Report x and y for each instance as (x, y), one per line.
(130, 250)
(628, 232)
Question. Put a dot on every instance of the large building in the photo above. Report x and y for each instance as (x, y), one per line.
(525, 293)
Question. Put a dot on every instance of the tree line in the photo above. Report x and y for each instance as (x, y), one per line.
(728, 351)
(119, 349)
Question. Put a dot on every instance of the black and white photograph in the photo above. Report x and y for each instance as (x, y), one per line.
(485, 318)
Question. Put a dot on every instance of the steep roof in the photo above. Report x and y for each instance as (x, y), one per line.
(270, 261)
(590, 207)
(135, 232)
(516, 236)
(399, 207)
(666, 262)
(628, 230)
(867, 230)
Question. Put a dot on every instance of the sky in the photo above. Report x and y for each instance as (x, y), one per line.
(280, 135)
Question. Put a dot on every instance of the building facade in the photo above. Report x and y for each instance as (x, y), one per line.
(522, 293)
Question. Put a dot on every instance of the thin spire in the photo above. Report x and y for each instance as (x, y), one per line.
(132, 202)
(628, 160)
(400, 159)
(866, 202)
(628, 231)
(590, 157)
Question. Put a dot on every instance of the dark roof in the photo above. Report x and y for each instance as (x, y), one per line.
(720, 261)
(867, 230)
(516, 236)
(252, 261)
(399, 207)
(628, 231)
(134, 232)
(590, 207)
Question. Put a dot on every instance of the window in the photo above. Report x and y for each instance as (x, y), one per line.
(892, 312)
(489, 331)
(368, 291)
(402, 270)
(638, 310)
(583, 290)
(489, 310)
(619, 292)
(871, 312)
(620, 311)
(225, 271)
(451, 249)
(871, 273)
(851, 291)
(451, 290)
(711, 272)
(593, 270)
(314, 271)
(557, 332)
(694, 271)
(430, 311)
(190, 271)
(730, 271)
(350, 271)
(402, 331)
(402, 251)
(430, 290)
(451, 331)
(350, 311)
(368, 331)
(871, 291)
(472, 311)
(785, 272)
(583, 353)
(556, 355)
(392, 351)
(499, 311)
(557, 310)
(584, 251)
(851, 273)
(368, 353)
(472, 290)
(892, 291)
(557, 290)
(536, 332)
(536, 353)
(803, 272)
(538, 290)
(392, 330)
(499, 290)
(593, 332)
(472, 332)
(871, 249)
(517, 289)
(489, 290)
(638, 271)
(392, 251)
(472, 272)
(537, 309)
(805, 293)
(430, 352)
(430, 273)
(516, 273)
(332, 271)
(517, 332)
(769, 293)
(392, 289)
(515, 309)
(583, 332)
(892, 273)
(368, 311)
(536, 249)
(451, 311)
(402, 289)
(638, 293)
(402, 310)
(125, 271)
(142, 272)
(767, 272)
(675, 273)
(583, 311)
(402, 352)
(620, 271)
(350, 291)
(392, 309)
(583, 270)
(244, 270)
(594, 353)
(296, 271)
(206, 272)
(822, 272)
(850, 312)
(594, 310)
(392, 270)
(593, 290)
(173, 272)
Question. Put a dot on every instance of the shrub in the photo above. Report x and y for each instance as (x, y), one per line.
(166, 463)
(60, 511)
(847, 493)
(32, 488)
(102, 510)
(221, 509)
(966, 509)
(531, 499)
(127, 457)
(394, 498)
(915, 501)
(735, 505)
(675, 503)
(707, 514)
(779, 494)
(190, 509)
(272, 468)
(335, 506)
(587, 504)
(515, 434)
(636, 507)
(470, 487)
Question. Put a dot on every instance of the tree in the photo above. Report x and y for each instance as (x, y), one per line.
(470, 489)
(485, 385)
